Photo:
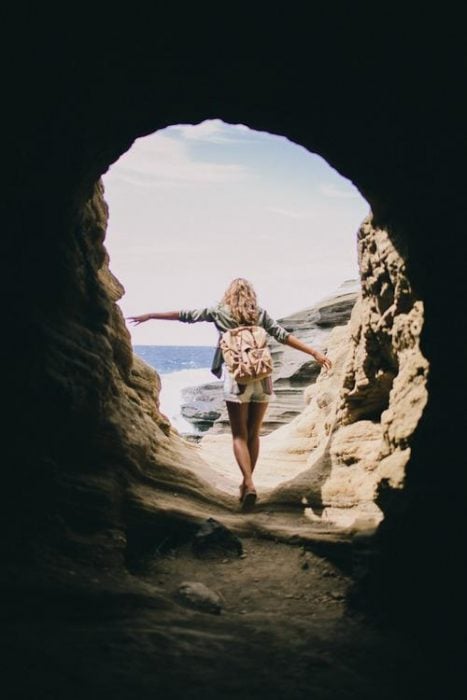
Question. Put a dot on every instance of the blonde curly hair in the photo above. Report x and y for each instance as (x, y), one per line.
(241, 299)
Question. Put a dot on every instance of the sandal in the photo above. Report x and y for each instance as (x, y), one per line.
(248, 500)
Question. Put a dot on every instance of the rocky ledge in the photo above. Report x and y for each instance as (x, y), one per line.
(204, 405)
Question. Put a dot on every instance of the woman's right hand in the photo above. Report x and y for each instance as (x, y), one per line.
(136, 320)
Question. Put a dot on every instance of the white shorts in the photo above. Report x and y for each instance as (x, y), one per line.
(255, 392)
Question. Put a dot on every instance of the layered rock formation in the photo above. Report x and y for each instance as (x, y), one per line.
(204, 406)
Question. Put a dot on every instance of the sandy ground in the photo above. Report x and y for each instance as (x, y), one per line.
(217, 451)
(283, 632)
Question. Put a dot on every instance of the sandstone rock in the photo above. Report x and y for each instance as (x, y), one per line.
(198, 596)
(214, 537)
(359, 443)
(203, 404)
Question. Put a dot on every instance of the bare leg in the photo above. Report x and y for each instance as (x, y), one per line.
(255, 419)
(238, 417)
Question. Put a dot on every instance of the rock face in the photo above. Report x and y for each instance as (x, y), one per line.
(204, 405)
(356, 429)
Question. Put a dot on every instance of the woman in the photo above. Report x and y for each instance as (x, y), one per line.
(246, 404)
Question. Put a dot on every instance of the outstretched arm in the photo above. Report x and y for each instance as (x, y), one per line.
(162, 315)
(298, 345)
(184, 315)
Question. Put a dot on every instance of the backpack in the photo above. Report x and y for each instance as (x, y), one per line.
(246, 353)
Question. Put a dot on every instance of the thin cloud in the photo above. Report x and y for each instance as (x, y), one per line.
(160, 159)
(195, 174)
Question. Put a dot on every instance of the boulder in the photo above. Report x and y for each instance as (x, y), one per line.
(196, 595)
(214, 538)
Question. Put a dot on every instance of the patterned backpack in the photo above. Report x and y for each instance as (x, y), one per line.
(246, 353)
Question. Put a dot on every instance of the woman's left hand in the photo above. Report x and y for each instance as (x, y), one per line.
(323, 360)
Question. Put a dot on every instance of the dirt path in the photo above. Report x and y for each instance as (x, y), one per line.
(270, 578)
(283, 633)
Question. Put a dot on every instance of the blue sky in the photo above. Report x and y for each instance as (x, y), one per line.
(193, 206)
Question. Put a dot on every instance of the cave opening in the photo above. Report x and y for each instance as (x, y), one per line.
(77, 486)
(194, 205)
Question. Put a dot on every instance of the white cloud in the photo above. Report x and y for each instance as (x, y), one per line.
(160, 159)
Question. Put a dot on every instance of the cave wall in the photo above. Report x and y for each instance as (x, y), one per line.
(89, 410)
(385, 373)
(391, 121)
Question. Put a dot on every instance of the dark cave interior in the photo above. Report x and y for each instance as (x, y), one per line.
(385, 113)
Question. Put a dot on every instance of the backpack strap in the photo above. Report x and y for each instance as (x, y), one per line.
(217, 360)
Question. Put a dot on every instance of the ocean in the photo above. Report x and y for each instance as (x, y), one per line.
(179, 366)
